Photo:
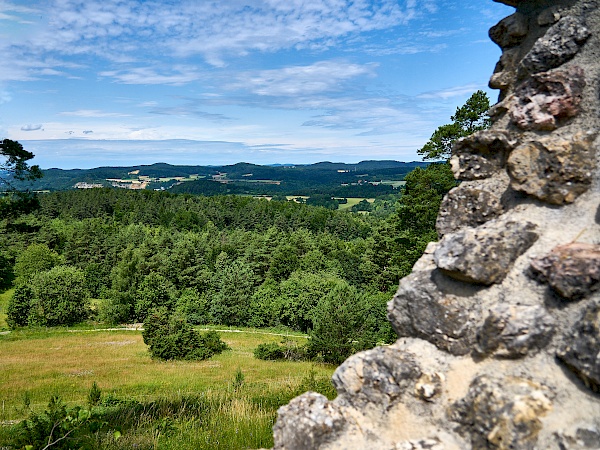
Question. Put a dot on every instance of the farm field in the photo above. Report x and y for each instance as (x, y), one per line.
(353, 201)
(40, 363)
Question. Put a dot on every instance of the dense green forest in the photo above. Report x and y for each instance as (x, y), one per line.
(229, 260)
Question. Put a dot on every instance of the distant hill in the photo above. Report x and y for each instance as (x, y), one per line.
(240, 178)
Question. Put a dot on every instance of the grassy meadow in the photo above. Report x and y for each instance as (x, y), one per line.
(175, 404)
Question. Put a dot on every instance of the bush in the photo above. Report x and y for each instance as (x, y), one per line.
(59, 297)
(287, 349)
(18, 307)
(268, 352)
(170, 336)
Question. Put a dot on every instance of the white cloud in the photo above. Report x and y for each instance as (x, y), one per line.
(175, 76)
(323, 76)
(31, 127)
(456, 91)
(91, 113)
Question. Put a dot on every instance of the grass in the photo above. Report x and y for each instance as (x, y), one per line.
(170, 396)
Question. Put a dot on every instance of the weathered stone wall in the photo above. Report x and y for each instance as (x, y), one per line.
(499, 322)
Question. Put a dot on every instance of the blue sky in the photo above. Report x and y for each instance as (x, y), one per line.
(87, 83)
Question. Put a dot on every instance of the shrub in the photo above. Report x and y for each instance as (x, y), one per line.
(19, 306)
(268, 352)
(170, 336)
(59, 297)
(287, 349)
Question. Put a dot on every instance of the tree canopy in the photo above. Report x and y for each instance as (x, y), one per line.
(469, 118)
(14, 166)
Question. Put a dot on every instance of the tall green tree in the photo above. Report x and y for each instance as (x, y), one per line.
(14, 167)
(469, 118)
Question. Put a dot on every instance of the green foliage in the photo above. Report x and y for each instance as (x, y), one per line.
(342, 326)
(57, 427)
(35, 259)
(19, 306)
(59, 297)
(469, 118)
(233, 286)
(15, 168)
(170, 337)
(288, 349)
(269, 351)
(95, 395)
(193, 306)
(154, 291)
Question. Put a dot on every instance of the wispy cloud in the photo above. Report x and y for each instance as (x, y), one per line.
(175, 76)
(91, 113)
(31, 127)
(456, 91)
(323, 76)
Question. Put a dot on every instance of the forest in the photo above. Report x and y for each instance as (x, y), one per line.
(227, 260)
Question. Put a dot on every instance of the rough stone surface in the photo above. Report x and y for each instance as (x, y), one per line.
(308, 421)
(467, 206)
(480, 155)
(504, 73)
(546, 98)
(484, 254)
(502, 414)
(549, 16)
(420, 309)
(581, 350)
(514, 331)
(572, 270)
(379, 377)
(561, 43)
(498, 323)
(510, 31)
(556, 171)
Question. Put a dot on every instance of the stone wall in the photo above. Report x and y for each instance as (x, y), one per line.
(499, 322)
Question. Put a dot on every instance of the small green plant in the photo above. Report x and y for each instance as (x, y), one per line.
(288, 349)
(238, 381)
(95, 395)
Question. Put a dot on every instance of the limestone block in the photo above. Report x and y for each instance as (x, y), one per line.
(467, 206)
(480, 155)
(572, 270)
(485, 254)
(513, 331)
(504, 72)
(561, 43)
(502, 414)
(420, 309)
(556, 171)
(581, 349)
(307, 422)
(545, 98)
(378, 377)
(510, 31)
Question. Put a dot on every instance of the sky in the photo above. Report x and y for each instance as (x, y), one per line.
(88, 83)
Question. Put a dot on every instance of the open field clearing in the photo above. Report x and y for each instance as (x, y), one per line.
(66, 364)
(353, 201)
(201, 401)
